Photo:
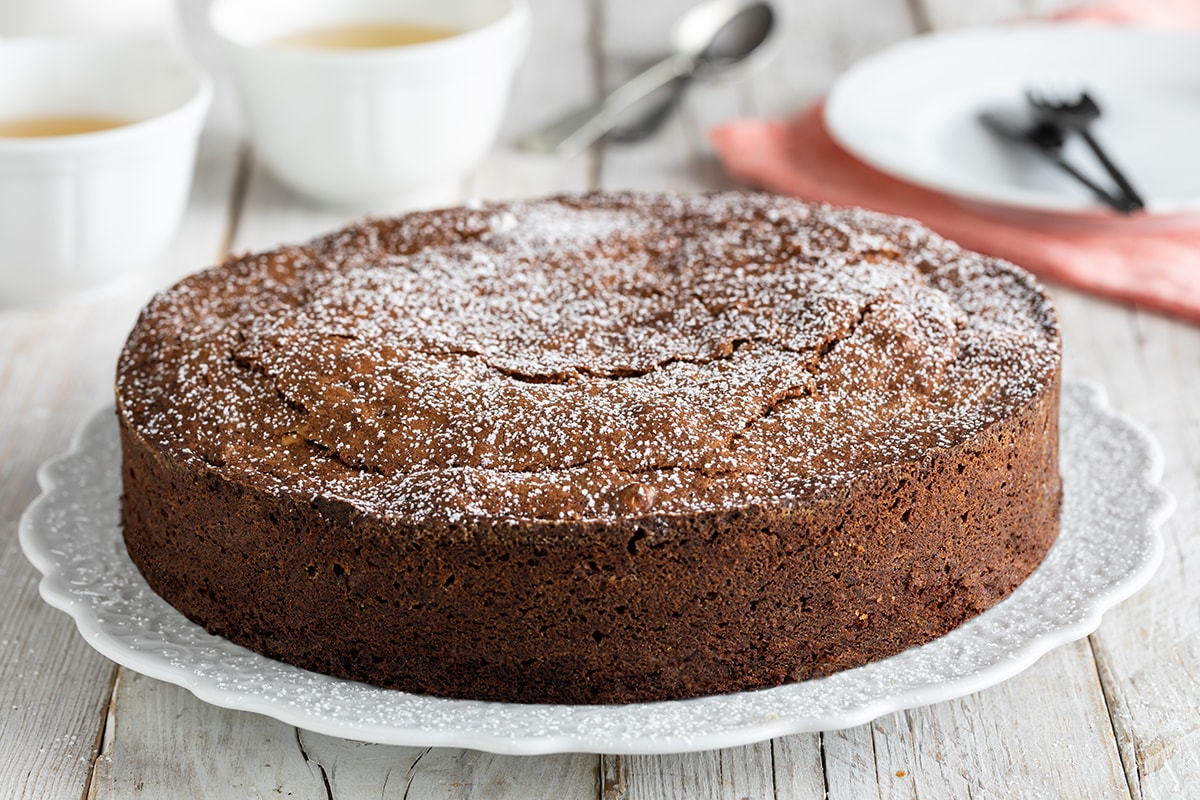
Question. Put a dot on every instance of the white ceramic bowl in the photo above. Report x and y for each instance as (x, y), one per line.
(80, 212)
(367, 126)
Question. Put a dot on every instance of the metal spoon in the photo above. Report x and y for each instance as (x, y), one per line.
(707, 39)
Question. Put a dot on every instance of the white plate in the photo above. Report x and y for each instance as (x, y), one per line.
(1108, 548)
(912, 111)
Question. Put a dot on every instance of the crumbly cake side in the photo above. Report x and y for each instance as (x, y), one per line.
(596, 448)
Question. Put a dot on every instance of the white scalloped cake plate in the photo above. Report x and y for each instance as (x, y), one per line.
(1109, 547)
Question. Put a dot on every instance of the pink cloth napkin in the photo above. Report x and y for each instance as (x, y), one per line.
(1156, 269)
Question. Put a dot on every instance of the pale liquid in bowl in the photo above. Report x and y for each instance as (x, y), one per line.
(56, 125)
(364, 37)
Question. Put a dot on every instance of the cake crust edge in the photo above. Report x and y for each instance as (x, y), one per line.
(661, 607)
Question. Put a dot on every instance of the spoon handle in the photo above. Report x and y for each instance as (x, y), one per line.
(1131, 195)
(649, 123)
(578, 130)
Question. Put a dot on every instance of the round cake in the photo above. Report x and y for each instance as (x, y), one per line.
(600, 448)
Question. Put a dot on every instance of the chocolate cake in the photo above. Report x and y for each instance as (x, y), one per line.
(593, 449)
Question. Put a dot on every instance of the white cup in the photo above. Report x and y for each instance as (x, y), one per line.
(370, 126)
(82, 211)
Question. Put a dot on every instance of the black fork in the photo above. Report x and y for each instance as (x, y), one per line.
(1078, 115)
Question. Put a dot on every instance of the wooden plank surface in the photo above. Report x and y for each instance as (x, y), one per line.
(1148, 648)
(1111, 716)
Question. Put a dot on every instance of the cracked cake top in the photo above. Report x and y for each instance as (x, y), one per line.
(586, 357)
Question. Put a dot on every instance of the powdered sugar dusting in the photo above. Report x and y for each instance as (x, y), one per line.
(586, 357)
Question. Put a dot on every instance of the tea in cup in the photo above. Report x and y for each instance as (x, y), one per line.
(371, 101)
(97, 148)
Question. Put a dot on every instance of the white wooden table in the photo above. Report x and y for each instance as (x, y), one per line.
(1111, 716)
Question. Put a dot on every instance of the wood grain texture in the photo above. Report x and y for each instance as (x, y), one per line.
(734, 773)
(559, 74)
(53, 691)
(354, 769)
(1046, 729)
(818, 40)
(163, 743)
(798, 771)
(1148, 649)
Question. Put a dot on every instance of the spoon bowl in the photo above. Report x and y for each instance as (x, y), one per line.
(721, 33)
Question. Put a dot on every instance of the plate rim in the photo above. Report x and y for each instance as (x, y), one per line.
(1159, 505)
(839, 102)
